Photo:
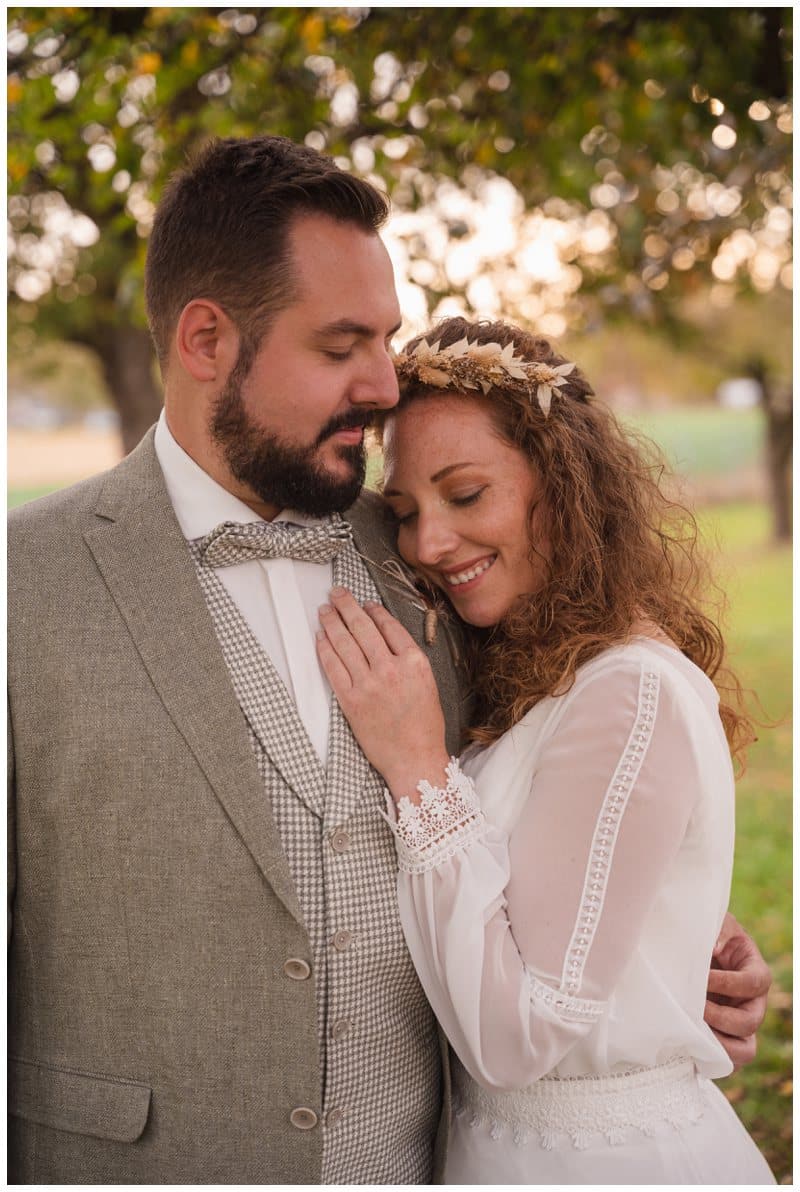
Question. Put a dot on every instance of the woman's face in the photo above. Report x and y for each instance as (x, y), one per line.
(463, 498)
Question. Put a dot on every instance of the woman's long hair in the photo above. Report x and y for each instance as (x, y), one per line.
(620, 552)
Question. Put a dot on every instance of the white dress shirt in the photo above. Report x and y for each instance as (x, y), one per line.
(278, 598)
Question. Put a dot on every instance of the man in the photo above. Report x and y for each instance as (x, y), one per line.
(209, 982)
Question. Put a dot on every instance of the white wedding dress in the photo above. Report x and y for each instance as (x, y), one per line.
(562, 925)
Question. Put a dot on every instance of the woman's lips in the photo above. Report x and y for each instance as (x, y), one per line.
(468, 574)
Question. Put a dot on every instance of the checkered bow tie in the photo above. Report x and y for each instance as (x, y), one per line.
(236, 542)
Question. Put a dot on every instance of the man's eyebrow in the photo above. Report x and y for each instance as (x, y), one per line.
(350, 327)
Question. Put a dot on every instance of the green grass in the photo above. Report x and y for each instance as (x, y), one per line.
(757, 578)
(20, 496)
(705, 439)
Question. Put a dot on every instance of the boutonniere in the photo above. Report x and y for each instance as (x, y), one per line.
(421, 595)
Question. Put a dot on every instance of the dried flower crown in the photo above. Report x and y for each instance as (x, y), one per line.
(465, 365)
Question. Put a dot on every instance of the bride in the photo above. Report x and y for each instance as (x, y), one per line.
(561, 885)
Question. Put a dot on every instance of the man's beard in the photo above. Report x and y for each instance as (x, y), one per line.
(282, 475)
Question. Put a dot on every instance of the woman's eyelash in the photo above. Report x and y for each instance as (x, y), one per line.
(469, 498)
(339, 355)
(459, 502)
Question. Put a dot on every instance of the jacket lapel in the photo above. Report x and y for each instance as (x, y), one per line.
(348, 768)
(141, 553)
(375, 540)
(264, 700)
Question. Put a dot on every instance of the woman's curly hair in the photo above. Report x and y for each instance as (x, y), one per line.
(621, 552)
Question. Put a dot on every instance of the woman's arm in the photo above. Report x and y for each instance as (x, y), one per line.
(518, 944)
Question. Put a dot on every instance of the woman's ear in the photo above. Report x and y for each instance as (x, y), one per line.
(206, 341)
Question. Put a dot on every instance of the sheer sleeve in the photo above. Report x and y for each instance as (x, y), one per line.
(519, 941)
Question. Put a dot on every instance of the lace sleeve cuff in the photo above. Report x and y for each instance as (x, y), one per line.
(566, 1005)
(440, 825)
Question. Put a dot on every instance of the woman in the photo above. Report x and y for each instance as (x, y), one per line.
(562, 886)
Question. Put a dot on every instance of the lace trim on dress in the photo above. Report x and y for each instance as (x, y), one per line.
(571, 1009)
(606, 832)
(582, 1110)
(440, 825)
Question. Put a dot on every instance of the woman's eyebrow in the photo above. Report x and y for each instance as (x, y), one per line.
(440, 475)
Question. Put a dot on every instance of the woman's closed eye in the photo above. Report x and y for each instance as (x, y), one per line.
(468, 498)
(460, 501)
(403, 519)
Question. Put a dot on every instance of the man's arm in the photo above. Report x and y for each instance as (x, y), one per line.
(738, 984)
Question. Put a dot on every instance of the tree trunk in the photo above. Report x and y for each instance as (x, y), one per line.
(126, 354)
(776, 403)
(779, 458)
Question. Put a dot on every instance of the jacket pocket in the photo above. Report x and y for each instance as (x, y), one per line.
(79, 1102)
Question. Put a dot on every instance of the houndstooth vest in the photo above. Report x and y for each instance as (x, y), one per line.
(380, 1065)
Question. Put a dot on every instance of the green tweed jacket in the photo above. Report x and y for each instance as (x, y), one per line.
(155, 1035)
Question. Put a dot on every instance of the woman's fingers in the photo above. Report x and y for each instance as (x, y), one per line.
(344, 644)
(364, 622)
(363, 639)
(361, 627)
(335, 670)
(396, 636)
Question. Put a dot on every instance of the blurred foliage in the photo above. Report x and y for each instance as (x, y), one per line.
(669, 126)
(757, 577)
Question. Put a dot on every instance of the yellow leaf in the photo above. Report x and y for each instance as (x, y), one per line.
(14, 89)
(312, 31)
(786, 1088)
(190, 52)
(343, 24)
(147, 63)
(17, 168)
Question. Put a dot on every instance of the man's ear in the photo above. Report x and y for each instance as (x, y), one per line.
(206, 341)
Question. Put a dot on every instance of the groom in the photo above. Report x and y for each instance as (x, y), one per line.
(208, 977)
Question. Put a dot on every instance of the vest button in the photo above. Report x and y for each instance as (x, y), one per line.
(298, 970)
(303, 1118)
(341, 1028)
(342, 940)
(333, 1118)
(340, 841)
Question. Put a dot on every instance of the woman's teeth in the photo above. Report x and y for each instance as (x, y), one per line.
(463, 577)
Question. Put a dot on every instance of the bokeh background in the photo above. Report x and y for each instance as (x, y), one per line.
(615, 178)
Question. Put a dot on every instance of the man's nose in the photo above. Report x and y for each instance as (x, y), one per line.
(377, 386)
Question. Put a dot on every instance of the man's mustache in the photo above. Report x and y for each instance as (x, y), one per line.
(347, 421)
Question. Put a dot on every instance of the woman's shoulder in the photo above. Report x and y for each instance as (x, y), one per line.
(644, 673)
(657, 657)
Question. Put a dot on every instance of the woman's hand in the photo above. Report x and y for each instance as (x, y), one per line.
(386, 689)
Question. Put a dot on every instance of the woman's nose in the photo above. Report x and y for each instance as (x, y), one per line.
(435, 539)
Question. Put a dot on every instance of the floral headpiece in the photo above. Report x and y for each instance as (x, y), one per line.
(465, 365)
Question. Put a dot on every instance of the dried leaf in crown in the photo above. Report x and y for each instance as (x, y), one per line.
(464, 365)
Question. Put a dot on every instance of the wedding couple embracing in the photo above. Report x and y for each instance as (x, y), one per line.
(362, 839)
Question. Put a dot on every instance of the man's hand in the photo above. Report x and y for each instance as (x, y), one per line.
(738, 984)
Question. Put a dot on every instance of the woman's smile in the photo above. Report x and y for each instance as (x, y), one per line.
(458, 578)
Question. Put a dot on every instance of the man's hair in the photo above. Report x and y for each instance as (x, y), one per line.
(221, 230)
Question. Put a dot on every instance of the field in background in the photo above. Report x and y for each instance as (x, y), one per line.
(711, 445)
(757, 578)
(718, 451)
